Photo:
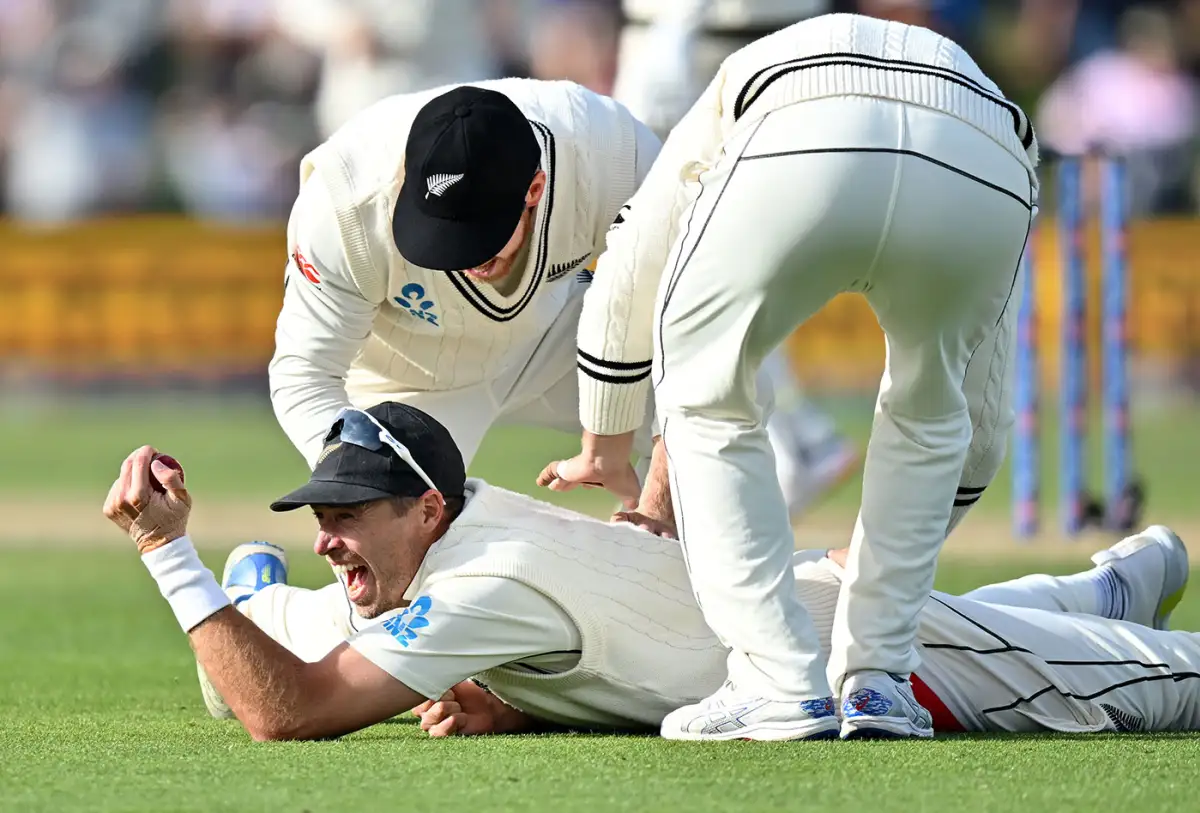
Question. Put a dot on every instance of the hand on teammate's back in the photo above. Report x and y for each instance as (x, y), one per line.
(664, 527)
(603, 463)
(149, 501)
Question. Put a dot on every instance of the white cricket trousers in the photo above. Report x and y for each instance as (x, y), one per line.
(1018, 669)
(926, 217)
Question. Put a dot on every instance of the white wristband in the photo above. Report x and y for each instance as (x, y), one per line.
(187, 585)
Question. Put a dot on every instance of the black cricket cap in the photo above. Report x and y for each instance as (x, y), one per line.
(348, 473)
(470, 158)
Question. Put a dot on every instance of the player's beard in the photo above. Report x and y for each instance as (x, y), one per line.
(365, 591)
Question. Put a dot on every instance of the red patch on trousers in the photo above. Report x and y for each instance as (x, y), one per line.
(944, 720)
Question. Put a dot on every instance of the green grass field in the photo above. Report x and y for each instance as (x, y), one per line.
(100, 710)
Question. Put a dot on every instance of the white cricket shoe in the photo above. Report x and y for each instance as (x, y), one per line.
(879, 705)
(252, 566)
(730, 715)
(1154, 566)
(249, 568)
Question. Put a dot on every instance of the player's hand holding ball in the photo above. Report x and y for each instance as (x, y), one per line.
(148, 500)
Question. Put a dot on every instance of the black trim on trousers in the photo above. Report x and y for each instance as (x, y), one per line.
(972, 622)
(1176, 677)
(680, 262)
(1020, 650)
(895, 151)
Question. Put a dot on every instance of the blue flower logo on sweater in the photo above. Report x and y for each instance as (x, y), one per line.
(412, 299)
(866, 703)
(405, 625)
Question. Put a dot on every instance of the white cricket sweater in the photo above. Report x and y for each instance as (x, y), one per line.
(646, 648)
(831, 55)
(359, 311)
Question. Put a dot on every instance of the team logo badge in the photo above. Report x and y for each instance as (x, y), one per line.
(405, 625)
(305, 267)
(438, 184)
(412, 299)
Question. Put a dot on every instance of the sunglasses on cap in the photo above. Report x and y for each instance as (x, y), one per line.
(361, 429)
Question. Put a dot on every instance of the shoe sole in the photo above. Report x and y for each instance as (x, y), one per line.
(883, 728)
(826, 731)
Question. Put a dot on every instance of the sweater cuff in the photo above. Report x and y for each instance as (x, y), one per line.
(612, 395)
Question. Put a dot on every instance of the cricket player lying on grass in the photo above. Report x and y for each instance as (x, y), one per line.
(571, 621)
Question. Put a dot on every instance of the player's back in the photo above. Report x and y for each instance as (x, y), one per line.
(645, 644)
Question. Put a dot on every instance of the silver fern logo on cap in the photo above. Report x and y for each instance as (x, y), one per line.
(438, 184)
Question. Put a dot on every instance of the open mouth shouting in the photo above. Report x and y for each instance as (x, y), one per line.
(359, 581)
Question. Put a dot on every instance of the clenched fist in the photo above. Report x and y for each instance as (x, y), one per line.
(468, 709)
(150, 516)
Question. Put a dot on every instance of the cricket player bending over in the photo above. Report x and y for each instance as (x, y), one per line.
(841, 154)
(439, 252)
(669, 51)
(440, 249)
(571, 621)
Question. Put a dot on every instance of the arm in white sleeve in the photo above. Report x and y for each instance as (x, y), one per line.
(616, 327)
(324, 321)
(462, 626)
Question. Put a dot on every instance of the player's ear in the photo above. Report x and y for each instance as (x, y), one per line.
(433, 507)
(536, 189)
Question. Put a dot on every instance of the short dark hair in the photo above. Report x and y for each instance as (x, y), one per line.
(402, 505)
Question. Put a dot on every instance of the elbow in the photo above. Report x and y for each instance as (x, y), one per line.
(284, 731)
(279, 729)
(282, 724)
(268, 734)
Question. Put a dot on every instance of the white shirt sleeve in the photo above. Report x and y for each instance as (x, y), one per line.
(324, 321)
(463, 626)
(616, 326)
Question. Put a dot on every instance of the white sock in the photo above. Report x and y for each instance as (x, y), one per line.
(1098, 591)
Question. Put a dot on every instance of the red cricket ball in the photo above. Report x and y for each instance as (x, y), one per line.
(170, 461)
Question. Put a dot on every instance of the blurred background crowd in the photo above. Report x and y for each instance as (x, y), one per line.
(204, 107)
(118, 329)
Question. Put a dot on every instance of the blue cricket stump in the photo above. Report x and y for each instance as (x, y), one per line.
(1026, 459)
(1074, 379)
(1114, 215)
